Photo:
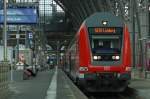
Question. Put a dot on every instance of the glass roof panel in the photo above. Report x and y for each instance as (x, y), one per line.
(46, 7)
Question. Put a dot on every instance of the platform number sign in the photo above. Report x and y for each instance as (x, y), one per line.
(17, 36)
(30, 36)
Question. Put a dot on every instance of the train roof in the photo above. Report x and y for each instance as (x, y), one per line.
(97, 19)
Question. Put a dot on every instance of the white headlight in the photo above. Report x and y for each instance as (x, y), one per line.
(117, 57)
(99, 57)
(113, 57)
(95, 57)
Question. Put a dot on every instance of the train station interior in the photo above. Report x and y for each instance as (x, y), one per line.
(74, 49)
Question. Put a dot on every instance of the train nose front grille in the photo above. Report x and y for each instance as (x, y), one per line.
(107, 75)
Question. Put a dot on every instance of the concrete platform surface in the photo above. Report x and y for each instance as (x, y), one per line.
(34, 88)
(66, 89)
(54, 84)
(142, 86)
(47, 85)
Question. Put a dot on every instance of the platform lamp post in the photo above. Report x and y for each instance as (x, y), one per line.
(58, 44)
(17, 37)
(5, 31)
(133, 13)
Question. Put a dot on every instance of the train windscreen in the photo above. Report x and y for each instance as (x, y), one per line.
(106, 43)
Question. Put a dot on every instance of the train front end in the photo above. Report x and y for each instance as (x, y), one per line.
(105, 54)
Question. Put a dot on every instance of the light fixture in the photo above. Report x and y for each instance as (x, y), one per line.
(99, 57)
(95, 57)
(113, 57)
(117, 57)
(104, 22)
(83, 69)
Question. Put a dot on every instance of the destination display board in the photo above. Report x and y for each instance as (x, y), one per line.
(20, 16)
(105, 30)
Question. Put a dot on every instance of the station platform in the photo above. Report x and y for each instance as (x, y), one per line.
(52, 84)
(141, 87)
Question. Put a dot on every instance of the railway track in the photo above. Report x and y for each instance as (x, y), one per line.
(129, 93)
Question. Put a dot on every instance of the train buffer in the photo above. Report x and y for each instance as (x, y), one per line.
(52, 84)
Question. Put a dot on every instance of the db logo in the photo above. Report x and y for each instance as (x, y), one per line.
(107, 68)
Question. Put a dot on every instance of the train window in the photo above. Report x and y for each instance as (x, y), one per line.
(106, 43)
(102, 44)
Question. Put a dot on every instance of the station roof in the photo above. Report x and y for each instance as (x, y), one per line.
(60, 19)
(76, 11)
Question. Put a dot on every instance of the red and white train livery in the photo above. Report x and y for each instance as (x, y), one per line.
(99, 57)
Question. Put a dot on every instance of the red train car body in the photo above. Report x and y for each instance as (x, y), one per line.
(99, 57)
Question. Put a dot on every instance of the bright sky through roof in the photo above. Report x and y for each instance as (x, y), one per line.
(45, 7)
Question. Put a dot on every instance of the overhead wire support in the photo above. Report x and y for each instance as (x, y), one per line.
(140, 56)
(5, 31)
(133, 33)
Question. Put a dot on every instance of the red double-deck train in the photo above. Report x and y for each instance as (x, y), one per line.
(99, 57)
